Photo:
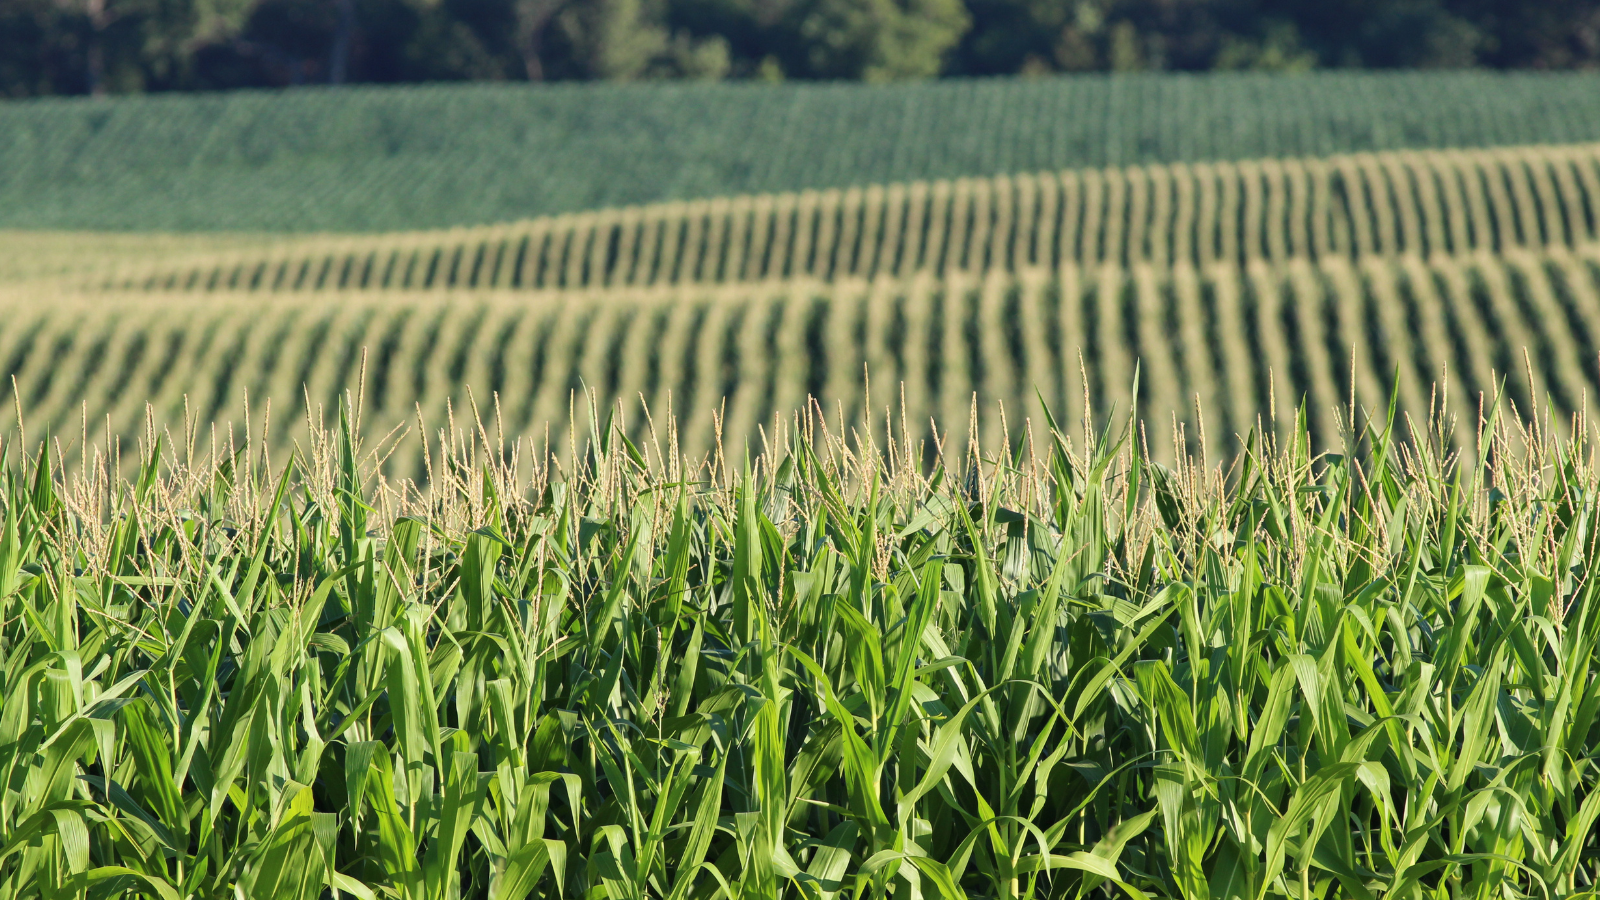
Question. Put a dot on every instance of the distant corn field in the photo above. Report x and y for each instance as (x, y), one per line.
(1238, 290)
(386, 159)
(1419, 203)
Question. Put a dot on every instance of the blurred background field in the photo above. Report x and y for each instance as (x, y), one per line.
(1247, 243)
(401, 158)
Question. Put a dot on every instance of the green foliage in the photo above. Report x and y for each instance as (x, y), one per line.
(1047, 674)
(393, 159)
(1132, 35)
(620, 40)
(882, 40)
(123, 46)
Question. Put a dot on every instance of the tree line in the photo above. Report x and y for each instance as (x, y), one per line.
(125, 46)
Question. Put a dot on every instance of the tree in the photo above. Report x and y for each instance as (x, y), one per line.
(93, 46)
(533, 17)
(34, 57)
(625, 40)
(881, 40)
(613, 39)
(1547, 34)
(120, 46)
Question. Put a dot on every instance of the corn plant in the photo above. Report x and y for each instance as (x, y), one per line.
(1057, 670)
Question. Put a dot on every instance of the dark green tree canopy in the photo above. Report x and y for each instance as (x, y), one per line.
(119, 46)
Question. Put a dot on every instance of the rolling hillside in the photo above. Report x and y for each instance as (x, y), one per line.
(1415, 203)
(1239, 289)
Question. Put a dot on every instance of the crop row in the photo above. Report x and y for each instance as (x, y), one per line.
(1423, 203)
(1238, 341)
(820, 675)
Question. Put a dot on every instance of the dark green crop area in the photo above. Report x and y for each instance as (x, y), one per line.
(1057, 674)
(374, 159)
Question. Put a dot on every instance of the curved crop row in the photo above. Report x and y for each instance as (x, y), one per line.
(1419, 203)
(1238, 343)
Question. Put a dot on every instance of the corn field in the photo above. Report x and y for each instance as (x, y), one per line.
(1427, 204)
(827, 672)
(384, 159)
(1007, 505)
(1236, 291)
